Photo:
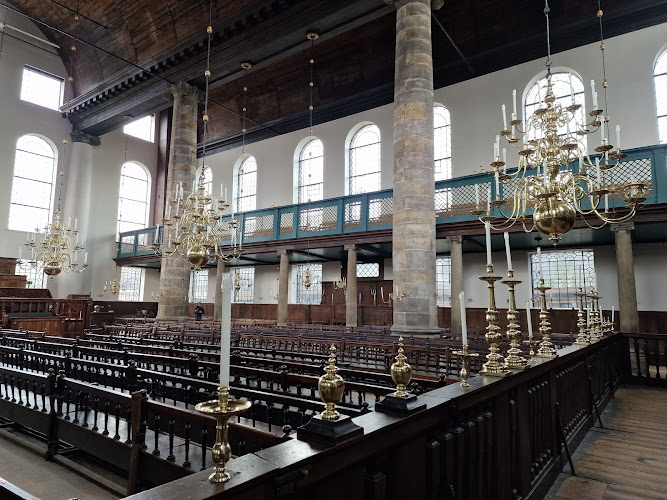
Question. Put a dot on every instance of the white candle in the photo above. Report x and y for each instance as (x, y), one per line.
(580, 163)
(476, 195)
(529, 319)
(597, 171)
(487, 230)
(168, 211)
(612, 315)
(508, 251)
(69, 221)
(76, 221)
(595, 95)
(226, 329)
(539, 261)
(571, 88)
(225, 194)
(157, 232)
(488, 202)
(497, 176)
(27, 237)
(221, 189)
(514, 103)
(504, 118)
(606, 202)
(588, 316)
(602, 137)
(505, 157)
(85, 258)
(495, 151)
(464, 322)
(618, 137)
(497, 146)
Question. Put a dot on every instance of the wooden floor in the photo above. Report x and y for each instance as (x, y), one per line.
(627, 459)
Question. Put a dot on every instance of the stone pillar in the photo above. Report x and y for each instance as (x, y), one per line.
(625, 271)
(76, 205)
(456, 281)
(413, 260)
(351, 294)
(283, 287)
(175, 274)
(217, 308)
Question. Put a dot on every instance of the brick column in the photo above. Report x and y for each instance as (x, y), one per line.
(351, 295)
(175, 274)
(456, 256)
(414, 189)
(217, 308)
(283, 287)
(625, 272)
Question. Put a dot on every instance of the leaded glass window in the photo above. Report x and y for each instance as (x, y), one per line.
(41, 88)
(565, 271)
(130, 284)
(443, 280)
(368, 270)
(35, 274)
(32, 185)
(364, 174)
(312, 294)
(133, 198)
(143, 128)
(311, 172)
(198, 285)
(246, 199)
(243, 279)
(660, 81)
(442, 143)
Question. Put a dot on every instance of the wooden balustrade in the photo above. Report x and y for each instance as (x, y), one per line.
(649, 358)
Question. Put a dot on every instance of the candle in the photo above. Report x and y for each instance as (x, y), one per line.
(571, 88)
(27, 237)
(504, 118)
(612, 315)
(602, 138)
(505, 157)
(225, 194)
(488, 202)
(226, 329)
(76, 221)
(487, 230)
(157, 232)
(597, 171)
(221, 189)
(508, 251)
(20, 251)
(618, 137)
(464, 322)
(168, 212)
(514, 103)
(529, 319)
(497, 146)
(497, 176)
(606, 202)
(580, 163)
(85, 258)
(539, 261)
(495, 151)
(588, 317)
(476, 195)
(595, 95)
(69, 221)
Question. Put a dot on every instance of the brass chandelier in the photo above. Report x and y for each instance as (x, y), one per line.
(556, 195)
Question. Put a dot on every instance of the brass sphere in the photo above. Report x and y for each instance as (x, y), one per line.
(52, 268)
(401, 373)
(197, 256)
(553, 216)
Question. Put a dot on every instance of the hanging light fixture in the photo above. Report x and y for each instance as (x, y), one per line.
(557, 195)
(198, 217)
(59, 248)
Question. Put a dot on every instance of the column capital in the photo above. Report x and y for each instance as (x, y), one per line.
(185, 91)
(454, 239)
(91, 140)
(435, 4)
(283, 251)
(350, 247)
(623, 226)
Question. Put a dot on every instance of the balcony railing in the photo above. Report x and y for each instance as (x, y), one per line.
(454, 198)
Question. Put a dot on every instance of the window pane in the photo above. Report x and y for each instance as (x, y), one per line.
(132, 211)
(23, 218)
(133, 198)
(35, 274)
(442, 143)
(661, 94)
(124, 226)
(41, 88)
(565, 272)
(311, 172)
(443, 281)
(244, 284)
(368, 270)
(142, 128)
(312, 294)
(364, 160)
(247, 185)
(130, 284)
(36, 193)
(198, 285)
(134, 189)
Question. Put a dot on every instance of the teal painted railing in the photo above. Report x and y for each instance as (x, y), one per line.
(454, 198)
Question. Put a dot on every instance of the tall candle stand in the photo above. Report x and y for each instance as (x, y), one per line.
(222, 409)
(514, 360)
(596, 324)
(546, 349)
(495, 364)
(582, 338)
(465, 356)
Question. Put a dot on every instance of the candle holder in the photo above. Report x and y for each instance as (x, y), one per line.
(582, 338)
(546, 349)
(531, 347)
(514, 360)
(222, 409)
(495, 364)
(596, 323)
(400, 401)
(465, 356)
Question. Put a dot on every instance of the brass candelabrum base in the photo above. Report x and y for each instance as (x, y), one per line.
(222, 409)
(582, 337)
(531, 347)
(514, 359)
(495, 364)
(546, 349)
(465, 356)
(596, 319)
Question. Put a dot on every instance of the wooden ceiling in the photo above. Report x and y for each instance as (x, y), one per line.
(131, 51)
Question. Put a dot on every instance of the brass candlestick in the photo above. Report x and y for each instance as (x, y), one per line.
(531, 346)
(331, 387)
(582, 338)
(514, 360)
(596, 324)
(465, 361)
(495, 364)
(222, 409)
(401, 372)
(546, 349)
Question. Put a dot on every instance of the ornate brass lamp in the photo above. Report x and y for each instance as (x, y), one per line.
(546, 348)
(514, 360)
(596, 318)
(465, 356)
(400, 401)
(582, 338)
(495, 364)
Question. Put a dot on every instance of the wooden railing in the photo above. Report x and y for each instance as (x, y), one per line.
(648, 355)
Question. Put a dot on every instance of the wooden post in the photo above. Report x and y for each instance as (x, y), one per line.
(138, 437)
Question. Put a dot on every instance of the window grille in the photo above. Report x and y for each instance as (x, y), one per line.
(442, 143)
(364, 174)
(198, 285)
(565, 271)
(311, 172)
(130, 284)
(443, 281)
(246, 199)
(244, 279)
(312, 295)
(133, 198)
(368, 270)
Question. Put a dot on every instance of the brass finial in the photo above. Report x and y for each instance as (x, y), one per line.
(401, 372)
(312, 36)
(331, 387)
(246, 65)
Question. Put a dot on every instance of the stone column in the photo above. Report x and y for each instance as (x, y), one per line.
(414, 189)
(625, 272)
(217, 308)
(351, 294)
(283, 287)
(175, 274)
(456, 281)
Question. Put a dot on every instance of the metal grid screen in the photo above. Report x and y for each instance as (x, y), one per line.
(257, 227)
(353, 214)
(368, 270)
(286, 223)
(127, 244)
(318, 219)
(35, 274)
(380, 211)
(618, 178)
(460, 200)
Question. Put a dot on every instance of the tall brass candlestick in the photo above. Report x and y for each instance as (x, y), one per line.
(596, 324)
(495, 364)
(514, 360)
(465, 356)
(582, 338)
(546, 349)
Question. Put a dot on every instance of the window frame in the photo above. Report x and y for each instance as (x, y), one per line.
(60, 80)
(662, 76)
(147, 201)
(241, 178)
(446, 132)
(443, 299)
(246, 294)
(570, 289)
(124, 293)
(306, 163)
(351, 156)
(198, 289)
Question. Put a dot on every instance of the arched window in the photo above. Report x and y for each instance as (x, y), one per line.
(442, 143)
(32, 186)
(208, 179)
(311, 171)
(660, 80)
(246, 199)
(364, 166)
(133, 198)
(568, 89)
